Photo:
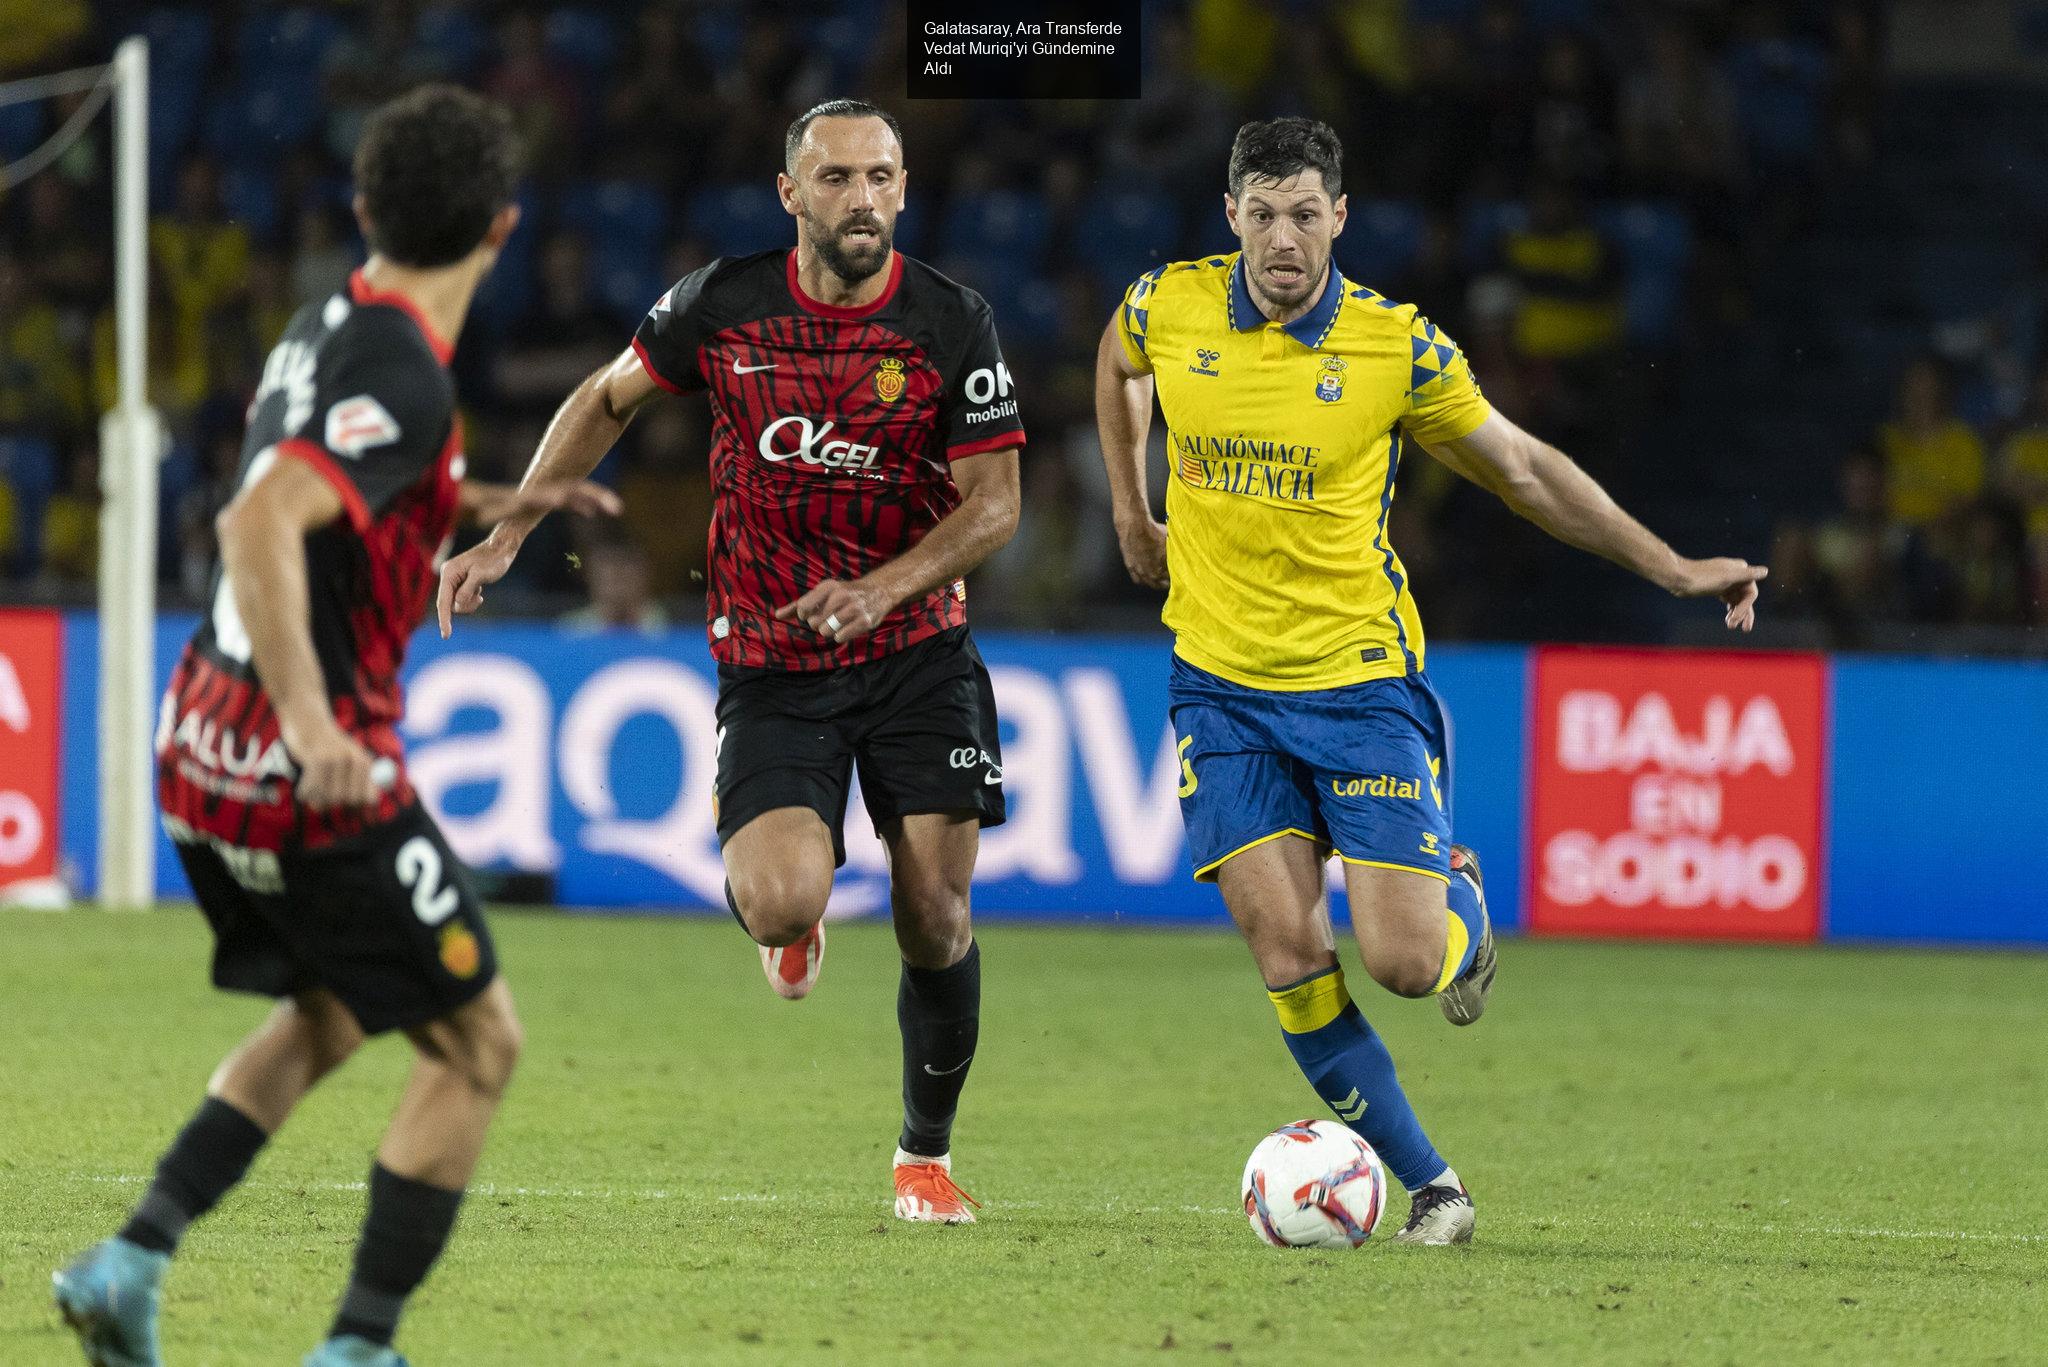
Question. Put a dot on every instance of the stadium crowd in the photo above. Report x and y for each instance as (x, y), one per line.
(1586, 193)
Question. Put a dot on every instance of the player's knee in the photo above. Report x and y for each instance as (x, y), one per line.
(1406, 972)
(781, 908)
(494, 1040)
(328, 1032)
(933, 923)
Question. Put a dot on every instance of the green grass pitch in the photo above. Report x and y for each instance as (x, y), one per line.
(1686, 1155)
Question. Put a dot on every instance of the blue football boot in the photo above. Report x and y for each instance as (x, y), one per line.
(350, 1350)
(109, 1297)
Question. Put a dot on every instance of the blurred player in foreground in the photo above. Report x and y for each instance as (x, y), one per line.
(864, 458)
(1306, 724)
(280, 770)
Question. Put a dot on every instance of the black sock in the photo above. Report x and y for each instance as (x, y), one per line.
(732, 904)
(204, 1162)
(404, 1232)
(939, 1010)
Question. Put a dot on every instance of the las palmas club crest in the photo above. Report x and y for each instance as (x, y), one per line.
(1330, 379)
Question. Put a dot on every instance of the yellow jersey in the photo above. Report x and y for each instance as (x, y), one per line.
(1283, 443)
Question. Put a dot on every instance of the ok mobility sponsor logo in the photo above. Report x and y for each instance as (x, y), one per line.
(1255, 466)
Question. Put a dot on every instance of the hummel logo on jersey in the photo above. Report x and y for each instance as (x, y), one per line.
(739, 369)
(356, 425)
(1205, 362)
(812, 448)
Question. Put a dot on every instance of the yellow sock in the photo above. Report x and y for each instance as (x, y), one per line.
(1312, 1003)
(1454, 950)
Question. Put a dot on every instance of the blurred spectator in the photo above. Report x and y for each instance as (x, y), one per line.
(667, 492)
(1571, 124)
(178, 375)
(71, 525)
(1678, 129)
(321, 259)
(1568, 276)
(1801, 590)
(69, 265)
(564, 338)
(33, 35)
(546, 105)
(657, 101)
(2023, 475)
(201, 256)
(1781, 83)
(616, 573)
(1933, 459)
(371, 64)
(1861, 526)
(1234, 43)
(42, 392)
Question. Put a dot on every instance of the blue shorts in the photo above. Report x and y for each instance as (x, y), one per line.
(1364, 769)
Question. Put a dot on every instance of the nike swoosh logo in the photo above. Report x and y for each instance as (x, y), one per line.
(739, 369)
(943, 1072)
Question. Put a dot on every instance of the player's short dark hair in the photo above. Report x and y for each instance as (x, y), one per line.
(834, 109)
(433, 168)
(1274, 149)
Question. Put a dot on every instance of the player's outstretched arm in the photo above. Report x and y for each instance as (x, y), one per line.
(263, 558)
(847, 609)
(588, 424)
(487, 504)
(1542, 484)
(1123, 415)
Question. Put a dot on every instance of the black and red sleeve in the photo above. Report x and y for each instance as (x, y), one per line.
(979, 410)
(379, 420)
(673, 333)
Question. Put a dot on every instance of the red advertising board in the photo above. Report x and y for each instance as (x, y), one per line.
(30, 643)
(1677, 794)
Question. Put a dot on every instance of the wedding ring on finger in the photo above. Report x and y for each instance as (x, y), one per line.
(832, 624)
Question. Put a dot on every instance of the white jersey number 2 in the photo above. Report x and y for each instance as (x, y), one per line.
(419, 868)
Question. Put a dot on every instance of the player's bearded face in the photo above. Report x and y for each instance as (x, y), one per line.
(853, 247)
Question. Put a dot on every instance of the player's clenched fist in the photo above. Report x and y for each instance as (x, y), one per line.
(839, 610)
(1143, 542)
(334, 771)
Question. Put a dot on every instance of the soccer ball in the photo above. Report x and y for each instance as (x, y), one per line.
(1314, 1184)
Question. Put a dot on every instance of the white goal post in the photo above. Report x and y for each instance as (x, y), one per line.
(131, 446)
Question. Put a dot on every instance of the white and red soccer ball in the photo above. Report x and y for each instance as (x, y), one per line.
(1314, 1184)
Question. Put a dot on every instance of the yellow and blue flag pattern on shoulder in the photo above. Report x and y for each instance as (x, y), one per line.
(1284, 442)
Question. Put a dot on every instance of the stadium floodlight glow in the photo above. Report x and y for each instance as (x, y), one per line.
(131, 445)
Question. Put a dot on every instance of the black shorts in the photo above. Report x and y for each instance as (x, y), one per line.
(386, 920)
(920, 724)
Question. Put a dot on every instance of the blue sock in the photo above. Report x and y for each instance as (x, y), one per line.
(1462, 901)
(1352, 1071)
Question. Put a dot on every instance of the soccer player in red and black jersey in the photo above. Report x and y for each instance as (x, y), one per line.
(864, 458)
(280, 771)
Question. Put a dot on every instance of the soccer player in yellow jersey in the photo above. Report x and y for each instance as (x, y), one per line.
(1305, 721)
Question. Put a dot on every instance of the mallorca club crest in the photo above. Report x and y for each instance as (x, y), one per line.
(889, 379)
(1330, 379)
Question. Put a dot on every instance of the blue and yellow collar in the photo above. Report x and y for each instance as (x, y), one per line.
(1310, 329)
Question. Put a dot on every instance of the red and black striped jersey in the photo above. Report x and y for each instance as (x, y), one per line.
(358, 390)
(833, 433)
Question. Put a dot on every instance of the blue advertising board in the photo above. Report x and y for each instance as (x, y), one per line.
(591, 757)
